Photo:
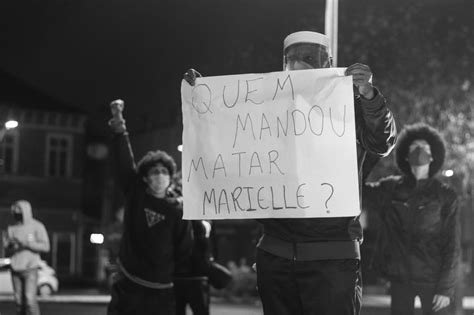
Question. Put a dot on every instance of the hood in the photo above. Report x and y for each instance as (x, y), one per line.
(420, 131)
(25, 208)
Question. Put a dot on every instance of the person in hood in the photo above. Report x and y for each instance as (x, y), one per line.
(155, 238)
(418, 244)
(26, 240)
(312, 265)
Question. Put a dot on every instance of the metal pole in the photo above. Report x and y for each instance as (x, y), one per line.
(330, 25)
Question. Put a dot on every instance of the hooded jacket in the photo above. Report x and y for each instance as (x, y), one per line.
(335, 238)
(419, 231)
(32, 238)
(418, 239)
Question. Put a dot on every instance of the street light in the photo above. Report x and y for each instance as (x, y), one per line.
(8, 125)
(11, 124)
(448, 173)
(96, 238)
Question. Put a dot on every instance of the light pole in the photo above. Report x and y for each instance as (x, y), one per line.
(331, 26)
(10, 124)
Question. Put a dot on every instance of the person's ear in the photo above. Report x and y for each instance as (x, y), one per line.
(145, 179)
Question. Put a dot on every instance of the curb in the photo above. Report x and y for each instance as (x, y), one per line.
(369, 300)
(81, 299)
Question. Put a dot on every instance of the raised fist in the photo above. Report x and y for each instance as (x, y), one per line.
(117, 123)
(362, 79)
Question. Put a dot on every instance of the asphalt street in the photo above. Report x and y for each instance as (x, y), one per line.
(100, 309)
(91, 308)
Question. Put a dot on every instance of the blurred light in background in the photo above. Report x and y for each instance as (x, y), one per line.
(180, 148)
(448, 173)
(97, 238)
(11, 124)
(97, 151)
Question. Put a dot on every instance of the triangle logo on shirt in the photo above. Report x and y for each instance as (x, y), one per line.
(152, 217)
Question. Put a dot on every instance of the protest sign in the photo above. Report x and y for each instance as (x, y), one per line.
(272, 145)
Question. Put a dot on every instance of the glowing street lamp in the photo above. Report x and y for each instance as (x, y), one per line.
(448, 173)
(96, 238)
(11, 124)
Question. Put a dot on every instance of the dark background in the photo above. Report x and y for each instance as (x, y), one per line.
(87, 53)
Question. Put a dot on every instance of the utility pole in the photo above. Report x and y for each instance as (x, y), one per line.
(330, 26)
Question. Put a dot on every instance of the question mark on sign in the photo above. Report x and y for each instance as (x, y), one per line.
(332, 192)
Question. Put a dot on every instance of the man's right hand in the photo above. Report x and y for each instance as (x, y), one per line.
(190, 76)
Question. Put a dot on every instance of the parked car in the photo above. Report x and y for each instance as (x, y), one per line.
(47, 281)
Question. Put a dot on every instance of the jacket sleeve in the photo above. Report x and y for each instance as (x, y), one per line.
(41, 241)
(451, 246)
(375, 195)
(8, 243)
(124, 162)
(377, 131)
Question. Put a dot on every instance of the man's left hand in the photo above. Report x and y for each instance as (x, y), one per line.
(440, 302)
(361, 76)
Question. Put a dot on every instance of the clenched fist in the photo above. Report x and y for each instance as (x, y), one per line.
(117, 123)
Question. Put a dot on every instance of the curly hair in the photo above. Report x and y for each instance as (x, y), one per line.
(152, 158)
(420, 131)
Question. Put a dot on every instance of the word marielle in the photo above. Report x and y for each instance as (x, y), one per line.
(253, 199)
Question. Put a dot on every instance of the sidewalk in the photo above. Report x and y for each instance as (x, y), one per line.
(95, 297)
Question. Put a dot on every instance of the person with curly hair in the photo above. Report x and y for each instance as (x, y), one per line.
(418, 243)
(155, 238)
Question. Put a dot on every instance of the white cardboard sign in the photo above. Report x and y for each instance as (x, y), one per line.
(272, 145)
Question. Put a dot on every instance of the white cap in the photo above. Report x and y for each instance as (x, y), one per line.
(306, 37)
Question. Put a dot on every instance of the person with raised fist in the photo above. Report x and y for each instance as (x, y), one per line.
(155, 238)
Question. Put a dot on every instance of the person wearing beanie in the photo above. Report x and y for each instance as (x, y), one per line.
(418, 243)
(155, 238)
(26, 239)
(312, 265)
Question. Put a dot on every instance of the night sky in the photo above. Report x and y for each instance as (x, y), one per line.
(88, 52)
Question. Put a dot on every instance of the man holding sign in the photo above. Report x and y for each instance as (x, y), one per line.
(308, 259)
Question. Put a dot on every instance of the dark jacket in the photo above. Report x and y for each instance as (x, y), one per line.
(418, 238)
(376, 133)
(198, 263)
(155, 237)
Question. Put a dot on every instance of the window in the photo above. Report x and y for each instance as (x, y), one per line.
(58, 155)
(63, 253)
(9, 153)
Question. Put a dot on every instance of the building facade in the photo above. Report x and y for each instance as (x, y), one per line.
(42, 161)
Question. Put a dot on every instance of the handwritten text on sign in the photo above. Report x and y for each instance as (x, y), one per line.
(273, 145)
